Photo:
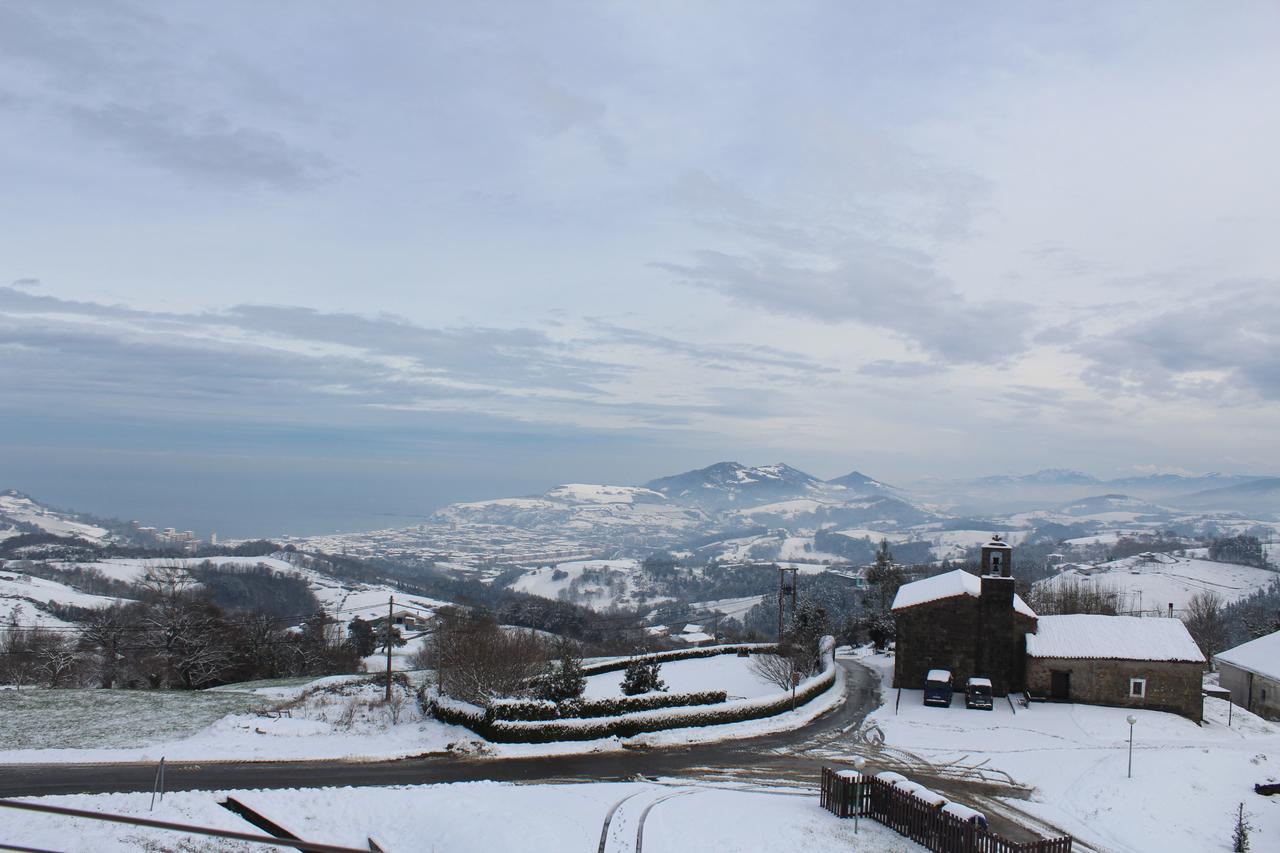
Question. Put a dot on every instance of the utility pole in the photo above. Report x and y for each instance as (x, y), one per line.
(786, 589)
(391, 600)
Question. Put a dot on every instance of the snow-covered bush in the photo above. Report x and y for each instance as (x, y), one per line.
(643, 675)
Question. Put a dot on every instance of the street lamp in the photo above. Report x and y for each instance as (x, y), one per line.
(1131, 719)
(858, 764)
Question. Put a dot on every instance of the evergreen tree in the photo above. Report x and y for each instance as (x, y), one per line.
(360, 637)
(643, 675)
(397, 639)
(564, 680)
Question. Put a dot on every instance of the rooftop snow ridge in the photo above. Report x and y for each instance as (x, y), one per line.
(1113, 637)
(949, 585)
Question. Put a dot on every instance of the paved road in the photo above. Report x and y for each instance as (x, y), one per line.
(779, 754)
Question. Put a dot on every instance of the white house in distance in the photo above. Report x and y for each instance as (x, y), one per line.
(1252, 673)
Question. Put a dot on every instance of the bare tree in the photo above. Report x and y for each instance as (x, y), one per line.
(784, 670)
(477, 660)
(1206, 622)
(183, 639)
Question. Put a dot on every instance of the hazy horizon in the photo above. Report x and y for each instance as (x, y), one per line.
(295, 267)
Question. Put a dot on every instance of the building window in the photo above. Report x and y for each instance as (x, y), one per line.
(1137, 688)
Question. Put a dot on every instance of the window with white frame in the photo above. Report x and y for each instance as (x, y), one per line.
(1137, 688)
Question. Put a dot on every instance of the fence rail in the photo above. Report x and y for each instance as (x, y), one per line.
(846, 793)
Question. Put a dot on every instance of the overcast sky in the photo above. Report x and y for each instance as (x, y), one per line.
(289, 267)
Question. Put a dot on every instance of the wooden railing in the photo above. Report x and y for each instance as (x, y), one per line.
(847, 793)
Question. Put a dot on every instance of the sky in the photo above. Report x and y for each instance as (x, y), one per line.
(304, 266)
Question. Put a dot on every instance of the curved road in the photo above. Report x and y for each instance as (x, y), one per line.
(777, 754)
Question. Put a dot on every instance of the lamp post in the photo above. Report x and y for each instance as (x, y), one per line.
(1131, 719)
(858, 764)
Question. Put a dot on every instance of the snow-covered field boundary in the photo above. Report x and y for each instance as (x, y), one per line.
(619, 664)
(483, 722)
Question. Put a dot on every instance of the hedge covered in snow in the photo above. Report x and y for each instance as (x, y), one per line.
(680, 654)
(484, 722)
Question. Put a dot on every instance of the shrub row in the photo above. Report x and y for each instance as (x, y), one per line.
(625, 725)
(681, 654)
(532, 710)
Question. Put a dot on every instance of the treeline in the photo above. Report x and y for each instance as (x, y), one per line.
(176, 635)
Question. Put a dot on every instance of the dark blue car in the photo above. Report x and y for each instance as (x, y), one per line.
(938, 688)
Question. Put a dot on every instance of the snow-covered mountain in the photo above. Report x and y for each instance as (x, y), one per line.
(730, 484)
(857, 483)
(1044, 477)
(611, 516)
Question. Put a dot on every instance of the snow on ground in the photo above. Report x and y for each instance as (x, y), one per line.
(22, 509)
(729, 673)
(336, 718)
(801, 548)
(1151, 585)
(733, 607)
(551, 581)
(342, 717)
(473, 817)
(1187, 779)
(345, 599)
(21, 596)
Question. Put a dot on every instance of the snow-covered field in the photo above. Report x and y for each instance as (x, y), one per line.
(1151, 585)
(1187, 779)
(22, 595)
(620, 589)
(339, 718)
(729, 673)
(473, 817)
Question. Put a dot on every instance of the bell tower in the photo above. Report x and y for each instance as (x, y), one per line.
(997, 654)
(997, 558)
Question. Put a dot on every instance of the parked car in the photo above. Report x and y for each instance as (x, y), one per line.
(977, 694)
(966, 814)
(938, 688)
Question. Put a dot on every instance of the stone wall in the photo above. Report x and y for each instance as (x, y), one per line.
(1171, 686)
(948, 634)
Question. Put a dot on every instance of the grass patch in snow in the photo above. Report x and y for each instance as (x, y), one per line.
(42, 718)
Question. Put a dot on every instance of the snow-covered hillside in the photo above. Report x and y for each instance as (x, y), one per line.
(20, 514)
(1152, 582)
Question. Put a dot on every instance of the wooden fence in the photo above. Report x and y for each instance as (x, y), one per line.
(846, 793)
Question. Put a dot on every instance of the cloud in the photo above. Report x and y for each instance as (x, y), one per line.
(889, 369)
(1223, 348)
(26, 282)
(209, 147)
(876, 287)
(271, 362)
(131, 80)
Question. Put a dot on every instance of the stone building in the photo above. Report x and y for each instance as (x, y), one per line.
(1252, 673)
(978, 626)
(1126, 661)
(969, 625)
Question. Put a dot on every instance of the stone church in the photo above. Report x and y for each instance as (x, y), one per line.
(978, 626)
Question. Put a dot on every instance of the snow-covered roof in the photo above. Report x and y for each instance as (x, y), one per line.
(1113, 637)
(980, 682)
(938, 675)
(948, 585)
(1260, 656)
(693, 637)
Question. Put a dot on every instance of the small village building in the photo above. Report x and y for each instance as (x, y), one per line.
(1126, 661)
(971, 626)
(978, 627)
(1251, 672)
